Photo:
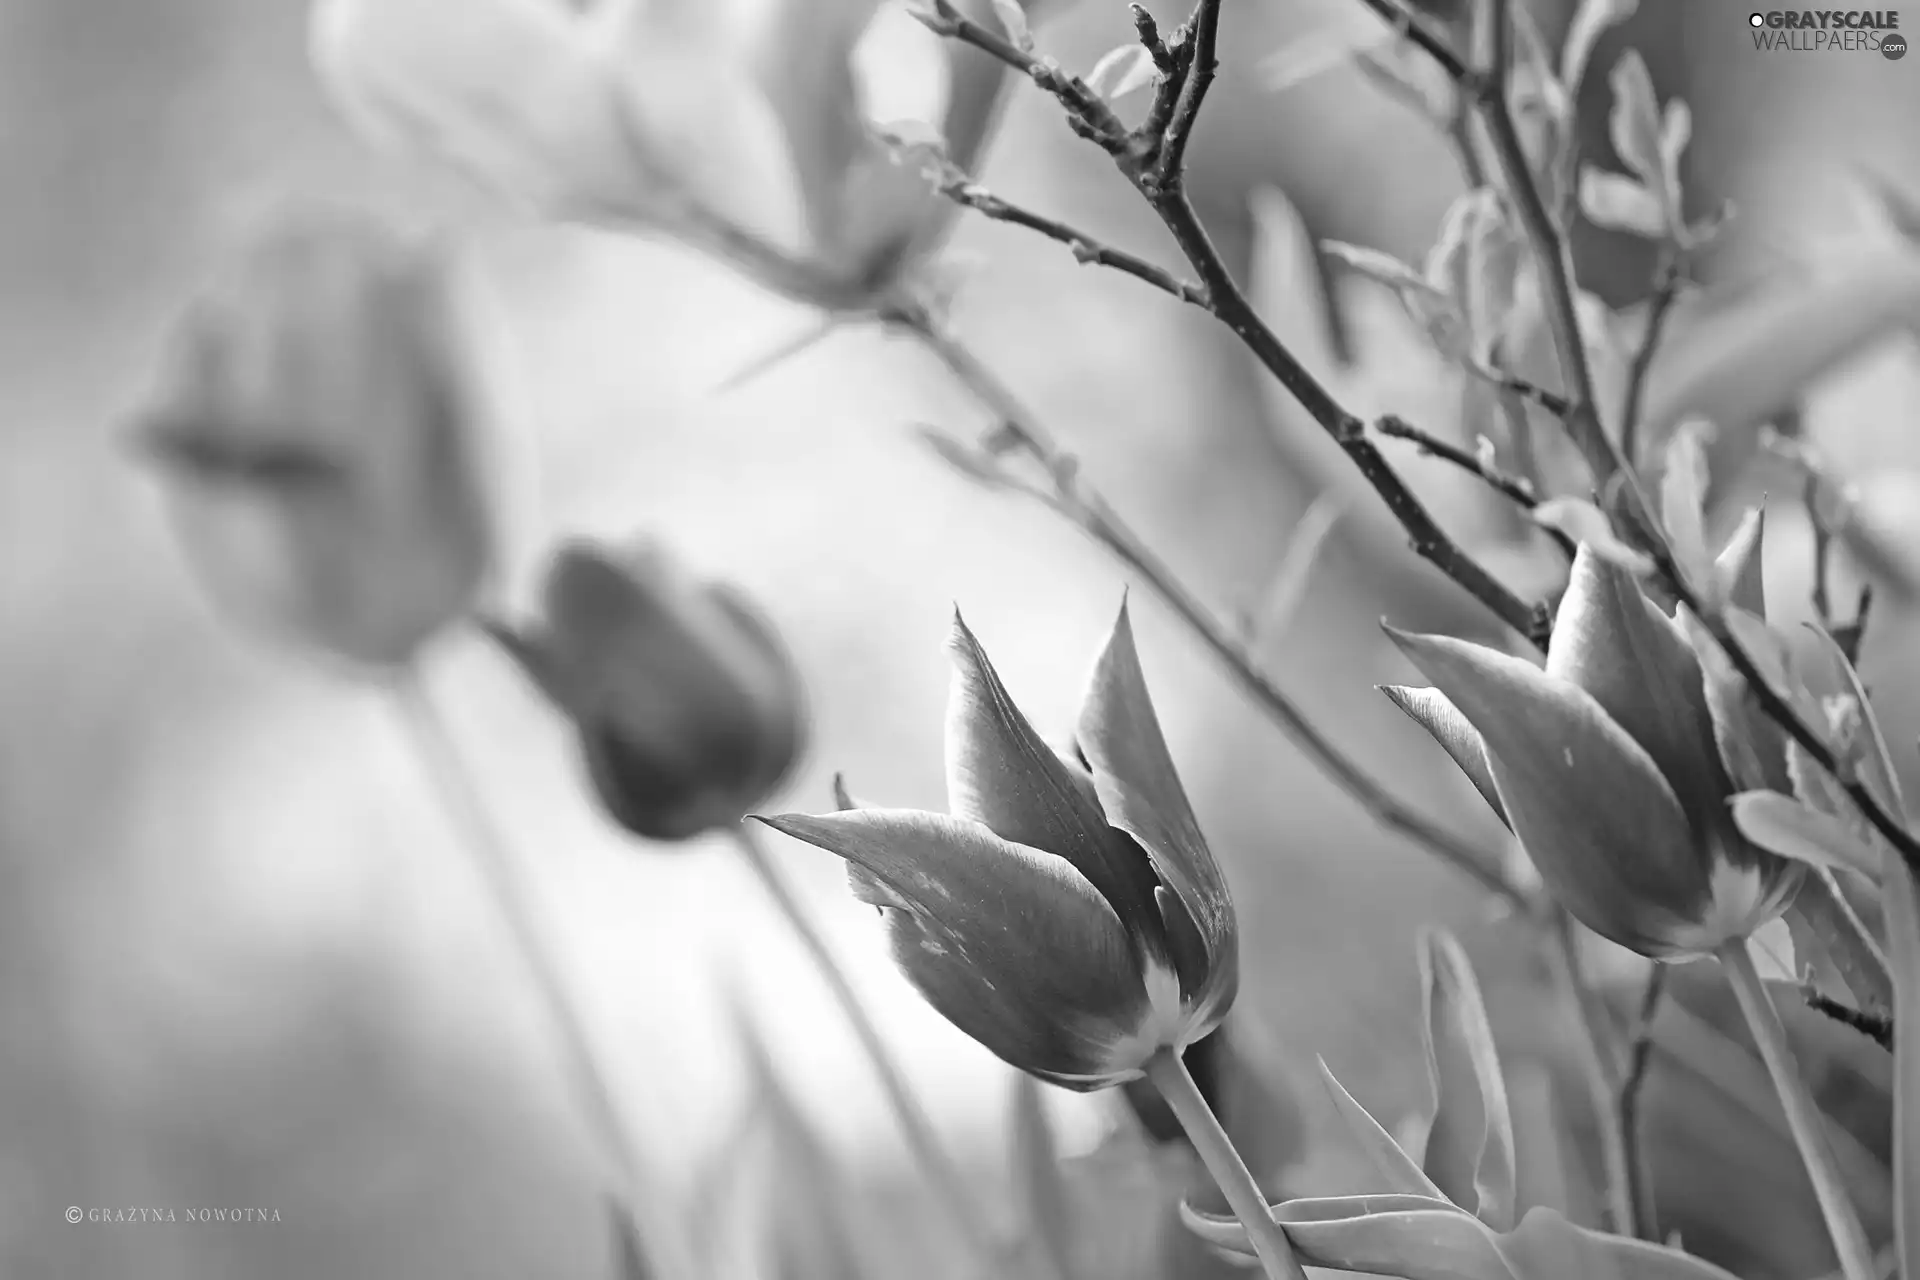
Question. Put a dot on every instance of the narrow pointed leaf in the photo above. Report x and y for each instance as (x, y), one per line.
(1740, 566)
(1683, 496)
(1583, 522)
(1470, 1153)
(1784, 826)
(1590, 21)
(1830, 933)
(1122, 71)
(1399, 1172)
(1635, 123)
(1620, 203)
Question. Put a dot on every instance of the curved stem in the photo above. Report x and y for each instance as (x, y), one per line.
(1803, 1114)
(1600, 1063)
(1169, 1075)
(638, 1198)
(955, 1192)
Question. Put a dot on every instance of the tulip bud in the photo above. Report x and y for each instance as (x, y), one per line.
(1608, 767)
(318, 426)
(1070, 919)
(689, 710)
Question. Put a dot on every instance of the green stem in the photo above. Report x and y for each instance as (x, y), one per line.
(638, 1197)
(1803, 1114)
(1169, 1075)
(956, 1194)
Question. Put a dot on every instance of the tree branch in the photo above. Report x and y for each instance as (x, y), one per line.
(1666, 289)
(1201, 61)
(1071, 497)
(1144, 162)
(1085, 248)
(1512, 487)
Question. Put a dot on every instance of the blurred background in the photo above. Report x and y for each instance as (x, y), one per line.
(241, 963)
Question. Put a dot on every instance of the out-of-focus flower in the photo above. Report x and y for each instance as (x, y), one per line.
(318, 424)
(688, 708)
(1068, 915)
(737, 125)
(1607, 765)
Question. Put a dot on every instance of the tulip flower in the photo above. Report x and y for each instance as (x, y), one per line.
(318, 425)
(1607, 766)
(1067, 914)
(736, 126)
(688, 708)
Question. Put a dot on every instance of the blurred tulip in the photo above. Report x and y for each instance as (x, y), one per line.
(318, 427)
(736, 125)
(1607, 765)
(1069, 915)
(688, 708)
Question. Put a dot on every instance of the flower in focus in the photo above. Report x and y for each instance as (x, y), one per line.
(318, 424)
(1068, 914)
(742, 126)
(1611, 764)
(688, 708)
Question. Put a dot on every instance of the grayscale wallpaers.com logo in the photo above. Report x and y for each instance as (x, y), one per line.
(1829, 30)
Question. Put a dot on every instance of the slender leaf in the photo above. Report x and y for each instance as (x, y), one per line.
(1470, 1144)
(1399, 1171)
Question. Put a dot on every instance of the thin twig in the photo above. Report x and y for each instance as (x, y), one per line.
(1085, 248)
(1554, 403)
(1877, 1027)
(1601, 1067)
(1199, 63)
(1414, 28)
(638, 1195)
(1142, 161)
(956, 1194)
(1519, 491)
(1551, 253)
(1666, 289)
(1632, 1081)
(1072, 498)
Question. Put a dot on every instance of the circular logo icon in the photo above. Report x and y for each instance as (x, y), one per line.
(1894, 47)
(73, 1213)
(1756, 19)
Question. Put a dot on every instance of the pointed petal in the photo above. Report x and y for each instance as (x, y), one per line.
(1603, 827)
(1613, 642)
(1139, 788)
(1430, 709)
(1739, 564)
(1001, 773)
(1011, 944)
